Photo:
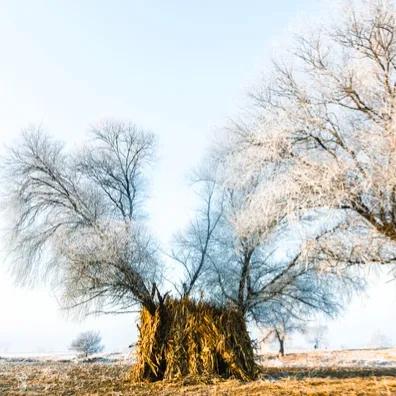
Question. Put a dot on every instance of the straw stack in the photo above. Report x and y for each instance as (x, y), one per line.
(189, 338)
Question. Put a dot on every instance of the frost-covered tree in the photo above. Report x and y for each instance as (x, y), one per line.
(281, 324)
(322, 132)
(264, 275)
(87, 343)
(380, 340)
(316, 335)
(76, 218)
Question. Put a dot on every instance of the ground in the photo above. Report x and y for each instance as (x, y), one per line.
(353, 372)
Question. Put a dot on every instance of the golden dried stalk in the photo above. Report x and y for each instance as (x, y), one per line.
(189, 338)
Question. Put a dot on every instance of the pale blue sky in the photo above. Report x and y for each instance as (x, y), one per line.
(179, 68)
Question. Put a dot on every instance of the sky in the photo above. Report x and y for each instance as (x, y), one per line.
(178, 68)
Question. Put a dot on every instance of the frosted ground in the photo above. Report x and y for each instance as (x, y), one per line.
(384, 357)
(376, 357)
(346, 372)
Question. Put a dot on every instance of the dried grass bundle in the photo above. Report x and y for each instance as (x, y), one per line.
(196, 339)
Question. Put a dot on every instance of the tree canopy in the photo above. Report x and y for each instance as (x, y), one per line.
(77, 216)
(321, 134)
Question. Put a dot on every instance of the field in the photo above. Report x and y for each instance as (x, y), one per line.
(359, 372)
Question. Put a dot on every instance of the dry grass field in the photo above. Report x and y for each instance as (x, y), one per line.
(71, 378)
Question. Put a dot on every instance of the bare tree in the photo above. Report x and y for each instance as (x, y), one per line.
(380, 340)
(322, 133)
(280, 325)
(76, 216)
(87, 343)
(192, 247)
(241, 268)
(316, 335)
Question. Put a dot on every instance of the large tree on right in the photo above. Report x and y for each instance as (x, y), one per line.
(323, 132)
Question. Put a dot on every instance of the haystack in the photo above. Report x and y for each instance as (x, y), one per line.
(189, 338)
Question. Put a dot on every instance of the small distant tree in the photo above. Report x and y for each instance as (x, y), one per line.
(380, 340)
(282, 325)
(316, 335)
(87, 343)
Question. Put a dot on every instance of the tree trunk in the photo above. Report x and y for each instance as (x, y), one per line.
(282, 346)
(188, 338)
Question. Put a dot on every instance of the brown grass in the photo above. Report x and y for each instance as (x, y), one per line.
(69, 378)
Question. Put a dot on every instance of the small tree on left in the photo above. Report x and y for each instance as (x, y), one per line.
(76, 217)
(87, 343)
